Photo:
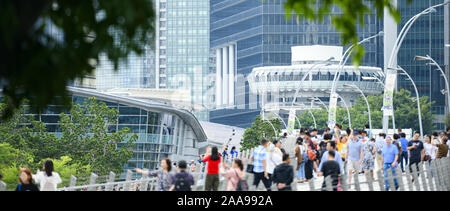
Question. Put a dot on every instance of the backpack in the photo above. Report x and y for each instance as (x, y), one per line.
(311, 154)
(181, 183)
(242, 184)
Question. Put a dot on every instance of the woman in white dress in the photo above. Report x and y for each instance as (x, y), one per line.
(48, 179)
(274, 158)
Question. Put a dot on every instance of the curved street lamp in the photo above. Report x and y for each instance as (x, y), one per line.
(265, 120)
(344, 60)
(401, 37)
(321, 102)
(433, 62)
(367, 102)
(417, 96)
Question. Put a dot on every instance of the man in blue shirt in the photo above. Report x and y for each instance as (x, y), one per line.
(331, 146)
(354, 155)
(259, 158)
(404, 154)
(389, 160)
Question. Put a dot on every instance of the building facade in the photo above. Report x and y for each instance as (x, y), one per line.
(163, 131)
(179, 58)
(426, 37)
(246, 34)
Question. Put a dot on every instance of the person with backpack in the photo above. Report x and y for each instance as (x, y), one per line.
(48, 179)
(300, 152)
(212, 176)
(283, 175)
(235, 176)
(182, 181)
(311, 157)
(26, 181)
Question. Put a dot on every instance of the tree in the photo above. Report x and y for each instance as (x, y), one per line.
(353, 12)
(259, 130)
(405, 109)
(86, 137)
(447, 120)
(49, 43)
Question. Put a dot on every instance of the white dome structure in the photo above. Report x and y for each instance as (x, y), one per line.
(277, 85)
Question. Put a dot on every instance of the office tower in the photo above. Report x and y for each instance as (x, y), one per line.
(248, 34)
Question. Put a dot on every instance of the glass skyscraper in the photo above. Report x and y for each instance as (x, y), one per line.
(180, 57)
(250, 33)
(426, 37)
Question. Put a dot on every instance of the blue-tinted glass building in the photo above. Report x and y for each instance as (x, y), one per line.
(163, 131)
(250, 33)
(426, 37)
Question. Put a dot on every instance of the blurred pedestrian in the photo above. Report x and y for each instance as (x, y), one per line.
(283, 174)
(213, 159)
(26, 181)
(164, 174)
(182, 181)
(234, 175)
(48, 179)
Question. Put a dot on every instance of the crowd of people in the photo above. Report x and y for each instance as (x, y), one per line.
(335, 153)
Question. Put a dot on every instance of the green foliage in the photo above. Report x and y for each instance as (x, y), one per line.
(85, 137)
(353, 12)
(259, 130)
(447, 120)
(85, 144)
(404, 107)
(49, 43)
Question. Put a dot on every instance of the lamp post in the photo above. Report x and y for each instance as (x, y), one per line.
(279, 117)
(417, 96)
(321, 102)
(344, 60)
(384, 86)
(367, 102)
(433, 62)
(264, 120)
(399, 42)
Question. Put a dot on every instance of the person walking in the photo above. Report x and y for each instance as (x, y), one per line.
(312, 157)
(331, 146)
(283, 174)
(212, 158)
(416, 151)
(330, 168)
(164, 175)
(430, 149)
(300, 153)
(48, 179)
(389, 160)
(404, 153)
(233, 174)
(379, 144)
(259, 158)
(182, 181)
(368, 161)
(354, 155)
(26, 181)
(275, 157)
(342, 149)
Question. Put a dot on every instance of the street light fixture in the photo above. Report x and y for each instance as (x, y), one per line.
(434, 63)
(321, 102)
(367, 102)
(417, 94)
